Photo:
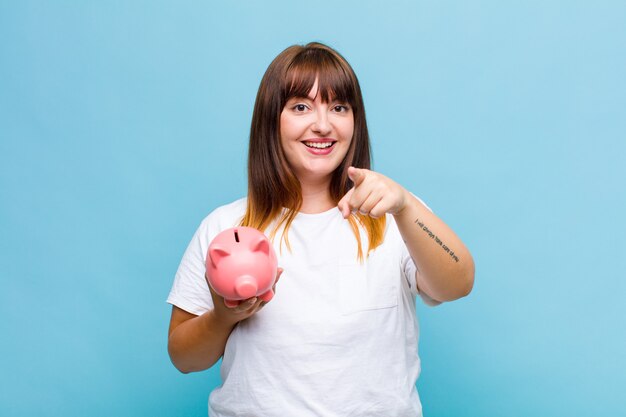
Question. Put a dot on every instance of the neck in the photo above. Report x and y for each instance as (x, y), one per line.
(316, 197)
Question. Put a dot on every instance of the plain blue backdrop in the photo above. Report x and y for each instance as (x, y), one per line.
(123, 123)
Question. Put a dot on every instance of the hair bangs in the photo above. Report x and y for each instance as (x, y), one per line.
(334, 81)
(274, 192)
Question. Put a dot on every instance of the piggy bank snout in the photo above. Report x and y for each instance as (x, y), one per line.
(241, 264)
(246, 286)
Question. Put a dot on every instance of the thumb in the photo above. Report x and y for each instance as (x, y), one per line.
(344, 204)
(357, 175)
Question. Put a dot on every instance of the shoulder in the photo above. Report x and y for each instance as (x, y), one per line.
(233, 211)
(224, 217)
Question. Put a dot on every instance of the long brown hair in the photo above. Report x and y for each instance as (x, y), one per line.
(274, 192)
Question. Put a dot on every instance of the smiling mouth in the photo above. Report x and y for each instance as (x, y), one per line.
(319, 145)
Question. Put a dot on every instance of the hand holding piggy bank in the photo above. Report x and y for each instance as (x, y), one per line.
(241, 264)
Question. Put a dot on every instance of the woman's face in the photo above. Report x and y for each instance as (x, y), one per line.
(315, 136)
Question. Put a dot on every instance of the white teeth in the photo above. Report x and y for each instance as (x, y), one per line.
(319, 145)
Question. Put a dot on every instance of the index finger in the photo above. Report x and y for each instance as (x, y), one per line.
(357, 175)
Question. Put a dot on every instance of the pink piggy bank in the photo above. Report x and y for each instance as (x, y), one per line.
(240, 264)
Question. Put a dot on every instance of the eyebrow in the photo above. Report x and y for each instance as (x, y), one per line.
(300, 97)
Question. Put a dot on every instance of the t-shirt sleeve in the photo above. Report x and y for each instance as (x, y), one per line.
(409, 270)
(190, 290)
(410, 273)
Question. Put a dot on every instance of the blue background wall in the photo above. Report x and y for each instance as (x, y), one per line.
(122, 124)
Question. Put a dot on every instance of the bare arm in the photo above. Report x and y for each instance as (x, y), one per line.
(196, 343)
(445, 266)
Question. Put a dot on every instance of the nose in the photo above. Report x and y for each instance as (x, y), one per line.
(321, 126)
(246, 286)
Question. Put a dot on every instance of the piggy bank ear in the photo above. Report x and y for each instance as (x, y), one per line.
(261, 245)
(216, 254)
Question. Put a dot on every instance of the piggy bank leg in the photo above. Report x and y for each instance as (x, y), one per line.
(231, 303)
(267, 296)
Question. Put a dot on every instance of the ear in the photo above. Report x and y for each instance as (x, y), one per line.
(261, 245)
(216, 253)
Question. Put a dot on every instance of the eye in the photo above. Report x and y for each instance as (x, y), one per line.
(340, 108)
(299, 108)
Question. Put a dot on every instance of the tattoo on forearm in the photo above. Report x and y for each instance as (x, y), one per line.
(437, 240)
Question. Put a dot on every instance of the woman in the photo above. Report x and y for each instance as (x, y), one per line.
(355, 249)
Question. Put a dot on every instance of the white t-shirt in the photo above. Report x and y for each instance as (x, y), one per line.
(339, 338)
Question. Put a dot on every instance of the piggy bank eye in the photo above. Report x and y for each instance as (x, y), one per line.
(236, 236)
